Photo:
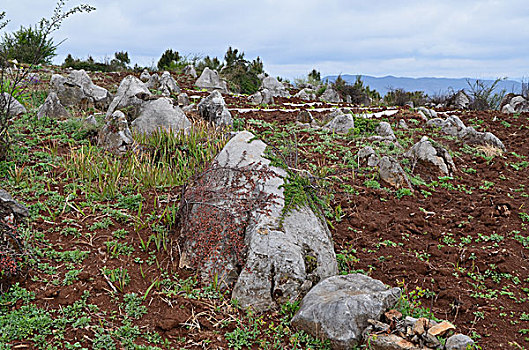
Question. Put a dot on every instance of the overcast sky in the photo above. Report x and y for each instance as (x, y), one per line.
(415, 38)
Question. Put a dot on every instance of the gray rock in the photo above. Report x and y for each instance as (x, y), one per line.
(390, 171)
(53, 108)
(115, 135)
(459, 342)
(286, 253)
(145, 76)
(190, 70)
(263, 96)
(9, 206)
(338, 308)
(214, 109)
(11, 105)
(519, 104)
(153, 82)
(331, 95)
(129, 94)
(368, 154)
(276, 88)
(305, 117)
(402, 124)
(78, 90)
(210, 80)
(341, 124)
(390, 342)
(91, 120)
(160, 114)
(452, 125)
(306, 95)
(461, 100)
(471, 136)
(168, 85)
(508, 109)
(384, 130)
(426, 151)
(429, 113)
(183, 99)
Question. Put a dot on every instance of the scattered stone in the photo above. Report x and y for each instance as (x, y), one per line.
(341, 123)
(145, 76)
(153, 82)
(160, 114)
(53, 108)
(214, 109)
(168, 85)
(305, 117)
(78, 90)
(429, 113)
(433, 153)
(262, 97)
(183, 99)
(306, 95)
(420, 326)
(390, 342)
(378, 326)
(402, 124)
(461, 100)
(441, 328)
(331, 95)
(459, 342)
(391, 172)
(423, 116)
(338, 308)
(115, 135)
(368, 153)
(210, 80)
(514, 104)
(385, 131)
(13, 107)
(393, 315)
(91, 120)
(129, 94)
(190, 70)
(276, 88)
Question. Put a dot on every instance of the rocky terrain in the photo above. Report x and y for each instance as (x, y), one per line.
(154, 210)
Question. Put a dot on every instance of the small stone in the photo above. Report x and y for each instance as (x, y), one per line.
(389, 342)
(441, 328)
(393, 315)
(458, 342)
(379, 326)
(420, 326)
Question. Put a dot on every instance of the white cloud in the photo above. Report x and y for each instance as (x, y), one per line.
(408, 37)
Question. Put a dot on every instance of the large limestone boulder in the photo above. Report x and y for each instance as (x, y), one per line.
(276, 88)
(129, 94)
(160, 114)
(53, 108)
(339, 308)
(153, 82)
(168, 85)
(286, 252)
(210, 80)
(331, 95)
(145, 76)
(385, 131)
(341, 123)
(214, 109)
(115, 135)
(11, 105)
(390, 171)
(432, 153)
(77, 89)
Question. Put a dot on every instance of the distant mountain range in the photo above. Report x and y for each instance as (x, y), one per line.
(431, 86)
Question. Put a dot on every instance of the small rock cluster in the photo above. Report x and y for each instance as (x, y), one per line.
(398, 332)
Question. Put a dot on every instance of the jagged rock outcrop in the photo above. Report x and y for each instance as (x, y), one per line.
(339, 308)
(160, 114)
(11, 105)
(214, 109)
(10, 208)
(331, 95)
(168, 85)
(190, 70)
(129, 94)
(515, 104)
(341, 123)
(286, 252)
(432, 153)
(52, 108)
(390, 171)
(263, 96)
(77, 89)
(367, 156)
(276, 88)
(145, 76)
(115, 135)
(210, 80)
(306, 95)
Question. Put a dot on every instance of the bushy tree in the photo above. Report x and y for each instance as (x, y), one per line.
(400, 97)
(483, 97)
(315, 76)
(358, 92)
(27, 43)
(172, 61)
